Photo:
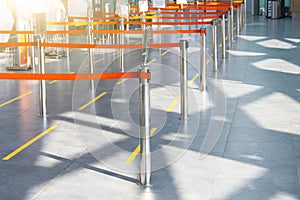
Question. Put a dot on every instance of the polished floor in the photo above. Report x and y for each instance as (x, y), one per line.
(241, 140)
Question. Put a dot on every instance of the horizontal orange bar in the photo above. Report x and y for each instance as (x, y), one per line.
(15, 32)
(105, 23)
(194, 13)
(66, 32)
(17, 44)
(109, 46)
(165, 45)
(89, 46)
(166, 23)
(102, 76)
(193, 17)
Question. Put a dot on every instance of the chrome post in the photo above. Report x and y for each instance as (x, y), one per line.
(229, 29)
(122, 42)
(214, 44)
(244, 13)
(32, 49)
(237, 22)
(90, 51)
(68, 41)
(144, 97)
(42, 85)
(223, 37)
(231, 23)
(159, 26)
(203, 62)
(184, 78)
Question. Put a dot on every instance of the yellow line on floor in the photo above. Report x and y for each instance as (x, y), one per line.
(207, 61)
(175, 102)
(30, 142)
(15, 99)
(54, 81)
(99, 60)
(165, 52)
(92, 101)
(220, 45)
(151, 61)
(193, 79)
(120, 82)
(226, 38)
(138, 149)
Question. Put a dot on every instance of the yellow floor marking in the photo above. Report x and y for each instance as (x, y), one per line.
(207, 61)
(173, 104)
(30, 142)
(220, 45)
(120, 82)
(99, 60)
(226, 38)
(193, 79)
(151, 61)
(54, 81)
(92, 101)
(15, 99)
(164, 53)
(138, 149)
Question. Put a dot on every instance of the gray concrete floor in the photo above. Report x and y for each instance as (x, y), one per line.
(241, 140)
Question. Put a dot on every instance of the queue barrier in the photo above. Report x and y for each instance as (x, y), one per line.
(101, 76)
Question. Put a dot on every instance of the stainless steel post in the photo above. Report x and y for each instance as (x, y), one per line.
(68, 41)
(237, 22)
(143, 17)
(144, 95)
(184, 78)
(245, 10)
(223, 37)
(42, 85)
(231, 23)
(122, 42)
(145, 155)
(203, 62)
(214, 45)
(159, 26)
(90, 51)
(32, 48)
(229, 29)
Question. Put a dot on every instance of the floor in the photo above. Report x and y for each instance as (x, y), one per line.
(241, 140)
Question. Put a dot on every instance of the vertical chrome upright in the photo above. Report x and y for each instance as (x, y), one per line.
(238, 22)
(68, 40)
(159, 26)
(231, 23)
(32, 50)
(202, 59)
(244, 13)
(143, 18)
(214, 44)
(184, 44)
(144, 95)
(122, 42)
(90, 41)
(229, 29)
(223, 37)
(42, 85)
